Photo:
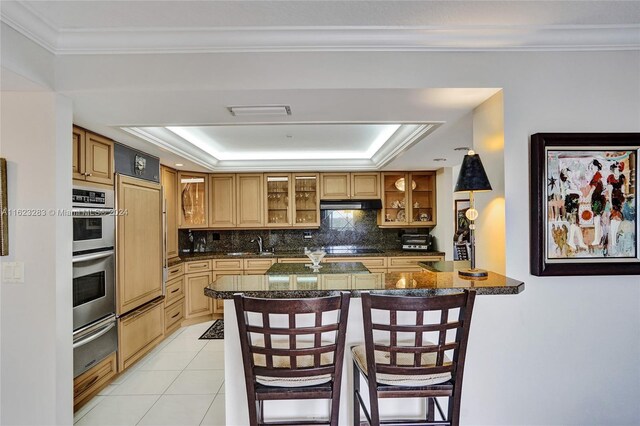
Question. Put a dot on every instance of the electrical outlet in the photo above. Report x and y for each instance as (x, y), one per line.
(307, 235)
(13, 272)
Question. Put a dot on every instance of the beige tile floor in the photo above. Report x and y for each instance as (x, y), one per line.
(179, 383)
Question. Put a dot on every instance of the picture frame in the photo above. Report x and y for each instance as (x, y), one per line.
(583, 204)
(4, 217)
(462, 223)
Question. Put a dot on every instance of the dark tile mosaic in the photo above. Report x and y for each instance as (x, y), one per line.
(337, 228)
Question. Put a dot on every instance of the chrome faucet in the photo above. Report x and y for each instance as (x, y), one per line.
(259, 241)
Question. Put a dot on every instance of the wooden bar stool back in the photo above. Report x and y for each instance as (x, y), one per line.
(407, 364)
(292, 349)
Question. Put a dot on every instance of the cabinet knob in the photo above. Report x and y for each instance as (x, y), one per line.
(87, 174)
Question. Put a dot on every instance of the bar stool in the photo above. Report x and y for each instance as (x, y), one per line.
(413, 368)
(298, 358)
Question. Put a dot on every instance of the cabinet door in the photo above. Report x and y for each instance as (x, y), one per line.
(335, 186)
(78, 138)
(218, 304)
(365, 186)
(139, 243)
(98, 159)
(169, 189)
(250, 205)
(91, 381)
(138, 332)
(197, 303)
(192, 198)
(277, 200)
(423, 199)
(306, 212)
(222, 201)
(394, 200)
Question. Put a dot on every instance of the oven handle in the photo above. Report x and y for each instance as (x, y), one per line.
(76, 211)
(91, 256)
(93, 337)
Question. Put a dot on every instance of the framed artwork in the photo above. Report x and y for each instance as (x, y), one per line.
(4, 217)
(584, 205)
(462, 223)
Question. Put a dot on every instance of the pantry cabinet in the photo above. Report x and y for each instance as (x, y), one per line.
(92, 157)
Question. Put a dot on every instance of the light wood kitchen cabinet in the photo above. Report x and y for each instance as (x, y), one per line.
(335, 186)
(197, 266)
(174, 292)
(373, 264)
(92, 157)
(344, 186)
(410, 263)
(138, 332)
(175, 271)
(89, 383)
(250, 211)
(277, 200)
(257, 266)
(222, 201)
(306, 200)
(139, 243)
(169, 180)
(197, 304)
(193, 194)
(408, 199)
(365, 186)
(218, 304)
(173, 316)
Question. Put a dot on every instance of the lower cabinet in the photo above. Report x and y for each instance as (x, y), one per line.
(197, 304)
(173, 316)
(410, 263)
(139, 331)
(218, 304)
(92, 381)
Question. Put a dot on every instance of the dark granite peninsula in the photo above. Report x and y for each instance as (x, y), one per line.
(296, 281)
(325, 268)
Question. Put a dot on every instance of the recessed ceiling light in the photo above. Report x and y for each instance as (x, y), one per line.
(462, 148)
(179, 164)
(439, 159)
(244, 110)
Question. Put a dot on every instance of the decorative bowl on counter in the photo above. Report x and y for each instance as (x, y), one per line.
(316, 256)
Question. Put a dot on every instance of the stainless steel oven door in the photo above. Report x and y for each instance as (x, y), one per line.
(93, 229)
(93, 287)
(93, 343)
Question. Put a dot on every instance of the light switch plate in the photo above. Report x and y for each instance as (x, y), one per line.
(13, 272)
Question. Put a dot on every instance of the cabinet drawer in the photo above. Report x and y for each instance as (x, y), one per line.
(294, 260)
(369, 262)
(198, 266)
(227, 264)
(173, 315)
(91, 381)
(395, 262)
(367, 281)
(175, 291)
(261, 264)
(218, 306)
(138, 333)
(175, 271)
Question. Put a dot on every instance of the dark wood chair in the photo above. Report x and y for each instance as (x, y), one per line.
(299, 358)
(413, 368)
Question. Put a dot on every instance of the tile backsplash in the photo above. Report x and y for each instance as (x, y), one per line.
(337, 228)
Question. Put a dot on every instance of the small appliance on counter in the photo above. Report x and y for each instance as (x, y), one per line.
(417, 242)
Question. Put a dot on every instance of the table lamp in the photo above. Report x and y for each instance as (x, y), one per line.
(472, 178)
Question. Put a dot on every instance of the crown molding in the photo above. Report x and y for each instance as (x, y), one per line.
(313, 39)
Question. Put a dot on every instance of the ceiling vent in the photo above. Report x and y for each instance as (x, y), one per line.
(248, 110)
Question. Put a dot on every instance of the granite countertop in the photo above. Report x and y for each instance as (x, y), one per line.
(439, 278)
(325, 268)
(188, 257)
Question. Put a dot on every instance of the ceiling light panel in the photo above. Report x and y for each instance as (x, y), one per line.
(252, 110)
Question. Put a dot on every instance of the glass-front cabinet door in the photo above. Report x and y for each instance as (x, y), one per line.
(193, 200)
(306, 200)
(394, 199)
(423, 196)
(278, 203)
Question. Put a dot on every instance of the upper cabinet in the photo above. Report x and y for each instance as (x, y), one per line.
(277, 199)
(344, 186)
(192, 193)
(169, 180)
(408, 199)
(92, 157)
(222, 201)
(306, 196)
(250, 213)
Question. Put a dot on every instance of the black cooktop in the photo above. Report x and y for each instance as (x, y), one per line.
(351, 250)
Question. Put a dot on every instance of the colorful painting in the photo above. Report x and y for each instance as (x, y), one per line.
(591, 204)
(584, 205)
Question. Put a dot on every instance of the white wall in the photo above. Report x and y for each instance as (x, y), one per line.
(36, 316)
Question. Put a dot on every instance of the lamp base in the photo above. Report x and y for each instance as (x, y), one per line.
(473, 273)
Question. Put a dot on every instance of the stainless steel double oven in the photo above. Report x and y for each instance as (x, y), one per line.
(94, 321)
